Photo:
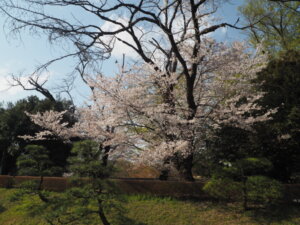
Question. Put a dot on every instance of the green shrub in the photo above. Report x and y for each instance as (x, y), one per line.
(263, 189)
(244, 180)
(92, 193)
(223, 189)
(35, 161)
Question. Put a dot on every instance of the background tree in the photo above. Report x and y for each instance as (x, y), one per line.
(280, 137)
(275, 25)
(34, 161)
(15, 123)
(87, 163)
(276, 139)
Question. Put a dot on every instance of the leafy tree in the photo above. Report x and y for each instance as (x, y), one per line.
(35, 161)
(87, 163)
(276, 139)
(279, 138)
(172, 137)
(275, 25)
(15, 123)
(229, 144)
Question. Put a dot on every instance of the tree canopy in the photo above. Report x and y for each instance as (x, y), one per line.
(14, 123)
(275, 25)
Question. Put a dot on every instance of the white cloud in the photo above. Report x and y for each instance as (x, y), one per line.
(9, 93)
(4, 84)
(119, 47)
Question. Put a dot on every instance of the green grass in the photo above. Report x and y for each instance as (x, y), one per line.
(142, 210)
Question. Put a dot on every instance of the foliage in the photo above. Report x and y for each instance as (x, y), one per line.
(243, 180)
(227, 144)
(276, 25)
(15, 123)
(85, 161)
(91, 193)
(223, 189)
(279, 138)
(263, 189)
(35, 162)
(276, 139)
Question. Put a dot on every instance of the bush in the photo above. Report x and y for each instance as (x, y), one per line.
(263, 189)
(223, 189)
(35, 161)
(244, 178)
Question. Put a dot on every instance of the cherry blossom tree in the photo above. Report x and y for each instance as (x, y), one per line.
(154, 108)
(147, 111)
(181, 82)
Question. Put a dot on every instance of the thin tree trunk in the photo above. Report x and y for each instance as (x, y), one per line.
(39, 189)
(3, 162)
(245, 197)
(101, 213)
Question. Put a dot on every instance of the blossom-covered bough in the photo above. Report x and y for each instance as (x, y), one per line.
(181, 85)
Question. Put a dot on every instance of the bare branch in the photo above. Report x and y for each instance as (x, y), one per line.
(36, 86)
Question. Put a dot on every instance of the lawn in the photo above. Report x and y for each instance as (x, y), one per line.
(142, 210)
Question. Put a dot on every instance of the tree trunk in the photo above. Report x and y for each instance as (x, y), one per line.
(105, 155)
(3, 162)
(101, 213)
(185, 168)
(164, 174)
(39, 190)
(165, 171)
(245, 195)
(183, 165)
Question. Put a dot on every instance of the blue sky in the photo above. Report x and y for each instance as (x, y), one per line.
(23, 55)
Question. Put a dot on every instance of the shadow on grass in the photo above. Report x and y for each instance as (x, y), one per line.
(2, 208)
(277, 213)
(128, 221)
(274, 213)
